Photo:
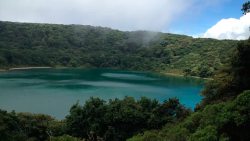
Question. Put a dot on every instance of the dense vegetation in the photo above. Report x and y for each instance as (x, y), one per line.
(29, 44)
(117, 120)
(223, 121)
(223, 114)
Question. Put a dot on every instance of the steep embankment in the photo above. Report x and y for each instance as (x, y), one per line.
(30, 44)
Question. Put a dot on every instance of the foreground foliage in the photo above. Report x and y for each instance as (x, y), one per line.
(232, 79)
(117, 120)
(65, 138)
(223, 114)
(120, 119)
(224, 121)
(26, 126)
(29, 44)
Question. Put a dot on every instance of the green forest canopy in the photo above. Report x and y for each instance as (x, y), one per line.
(223, 114)
(32, 44)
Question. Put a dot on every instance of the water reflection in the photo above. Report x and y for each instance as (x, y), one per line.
(54, 91)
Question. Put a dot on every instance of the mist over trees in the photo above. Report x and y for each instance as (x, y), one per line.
(29, 44)
(223, 113)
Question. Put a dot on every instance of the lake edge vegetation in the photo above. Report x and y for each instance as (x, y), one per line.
(79, 46)
(223, 113)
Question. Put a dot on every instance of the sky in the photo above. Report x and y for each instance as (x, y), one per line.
(219, 19)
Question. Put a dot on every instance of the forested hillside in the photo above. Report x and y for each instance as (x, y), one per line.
(222, 115)
(30, 44)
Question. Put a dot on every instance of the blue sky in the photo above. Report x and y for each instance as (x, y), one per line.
(220, 19)
(209, 17)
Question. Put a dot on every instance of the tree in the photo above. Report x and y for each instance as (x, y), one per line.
(8, 125)
(86, 46)
(35, 126)
(245, 7)
(120, 119)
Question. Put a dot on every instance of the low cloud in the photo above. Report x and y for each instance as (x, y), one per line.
(128, 15)
(118, 14)
(232, 28)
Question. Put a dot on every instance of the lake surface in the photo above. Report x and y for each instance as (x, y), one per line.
(54, 91)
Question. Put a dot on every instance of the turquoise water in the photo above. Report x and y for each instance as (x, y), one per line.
(54, 91)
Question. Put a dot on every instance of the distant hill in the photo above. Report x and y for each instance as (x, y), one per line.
(32, 44)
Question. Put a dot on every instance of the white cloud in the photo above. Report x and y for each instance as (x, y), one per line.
(117, 14)
(230, 29)
(198, 35)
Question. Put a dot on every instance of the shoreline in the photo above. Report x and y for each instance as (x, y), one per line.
(26, 68)
(166, 73)
(173, 74)
(181, 75)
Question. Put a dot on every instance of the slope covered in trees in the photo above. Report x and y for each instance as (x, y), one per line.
(223, 114)
(228, 121)
(30, 44)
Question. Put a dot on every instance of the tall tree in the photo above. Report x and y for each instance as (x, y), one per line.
(245, 7)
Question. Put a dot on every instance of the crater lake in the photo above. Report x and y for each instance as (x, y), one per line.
(54, 91)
